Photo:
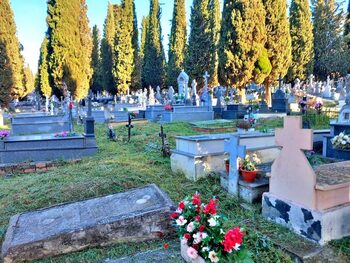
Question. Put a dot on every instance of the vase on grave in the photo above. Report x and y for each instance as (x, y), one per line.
(248, 176)
(185, 256)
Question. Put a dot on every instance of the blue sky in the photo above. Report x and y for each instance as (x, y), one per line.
(30, 16)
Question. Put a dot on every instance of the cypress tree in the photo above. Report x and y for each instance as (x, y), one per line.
(347, 26)
(279, 43)
(330, 47)
(154, 57)
(199, 51)
(136, 74)
(302, 39)
(43, 83)
(144, 31)
(28, 80)
(96, 80)
(124, 42)
(107, 45)
(215, 26)
(11, 64)
(177, 42)
(243, 36)
(70, 46)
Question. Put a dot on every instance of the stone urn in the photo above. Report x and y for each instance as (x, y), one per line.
(184, 248)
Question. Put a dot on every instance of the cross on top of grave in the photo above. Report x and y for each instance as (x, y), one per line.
(206, 77)
(235, 151)
(292, 177)
(129, 126)
(165, 146)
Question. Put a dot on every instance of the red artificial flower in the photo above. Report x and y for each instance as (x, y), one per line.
(233, 238)
(70, 105)
(198, 218)
(198, 209)
(195, 246)
(187, 236)
(174, 215)
(166, 246)
(196, 199)
(201, 228)
(182, 205)
(210, 208)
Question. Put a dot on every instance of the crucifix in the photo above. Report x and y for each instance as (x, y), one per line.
(162, 135)
(235, 151)
(129, 126)
(280, 82)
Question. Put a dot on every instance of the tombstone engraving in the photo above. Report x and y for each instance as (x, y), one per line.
(235, 151)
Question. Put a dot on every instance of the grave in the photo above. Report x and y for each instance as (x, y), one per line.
(315, 204)
(38, 123)
(279, 102)
(234, 111)
(154, 112)
(188, 113)
(198, 155)
(134, 216)
(341, 125)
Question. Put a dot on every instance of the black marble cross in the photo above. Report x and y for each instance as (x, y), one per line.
(129, 126)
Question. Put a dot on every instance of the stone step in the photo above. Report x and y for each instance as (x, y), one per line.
(134, 216)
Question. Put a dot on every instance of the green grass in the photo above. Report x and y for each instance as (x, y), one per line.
(119, 166)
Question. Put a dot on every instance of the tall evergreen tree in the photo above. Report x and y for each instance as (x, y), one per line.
(11, 65)
(199, 51)
(177, 42)
(330, 47)
(96, 80)
(302, 39)
(279, 43)
(107, 54)
(70, 46)
(243, 36)
(215, 26)
(154, 57)
(347, 26)
(136, 74)
(144, 31)
(28, 80)
(123, 47)
(43, 82)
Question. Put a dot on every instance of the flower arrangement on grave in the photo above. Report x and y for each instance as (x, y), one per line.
(201, 232)
(179, 98)
(248, 167)
(4, 134)
(341, 141)
(65, 134)
(133, 115)
(243, 124)
(318, 107)
(227, 99)
(168, 107)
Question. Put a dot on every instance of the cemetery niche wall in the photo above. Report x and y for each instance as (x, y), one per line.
(313, 203)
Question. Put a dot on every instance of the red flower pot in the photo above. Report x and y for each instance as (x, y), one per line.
(248, 176)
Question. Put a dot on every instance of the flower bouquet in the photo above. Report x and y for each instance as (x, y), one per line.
(341, 141)
(4, 134)
(201, 232)
(318, 107)
(248, 168)
(65, 134)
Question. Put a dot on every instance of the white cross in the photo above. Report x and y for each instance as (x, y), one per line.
(235, 150)
(206, 77)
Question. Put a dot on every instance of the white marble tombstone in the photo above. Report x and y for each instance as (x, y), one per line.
(182, 82)
(328, 89)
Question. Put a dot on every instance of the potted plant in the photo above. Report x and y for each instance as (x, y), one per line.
(227, 165)
(341, 141)
(248, 167)
(201, 232)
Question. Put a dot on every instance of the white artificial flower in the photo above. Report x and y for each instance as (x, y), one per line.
(181, 221)
(197, 238)
(204, 235)
(212, 222)
(236, 247)
(205, 249)
(213, 257)
(190, 227)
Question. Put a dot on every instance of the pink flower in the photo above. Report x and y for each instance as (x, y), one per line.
(190, 227)
(192, 253)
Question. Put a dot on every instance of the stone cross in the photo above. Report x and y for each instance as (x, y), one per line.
(206, 78)
(292, 177)
(129, 126)
(235, 150)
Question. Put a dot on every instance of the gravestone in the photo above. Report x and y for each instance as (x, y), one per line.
(159, 96)
(171, 94)
(151, 98)
(279, 102)
(182, 82)
(206, 97)
(235, 150)
(89, 122)
(134, 216)
(194, 92)
(315, 204)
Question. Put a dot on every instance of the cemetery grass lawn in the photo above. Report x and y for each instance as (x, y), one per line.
(119, 166)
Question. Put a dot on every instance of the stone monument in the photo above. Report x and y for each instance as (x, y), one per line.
(182, 82)
(171, 94)
(159, 96)
(194, 92)
(151, 98)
